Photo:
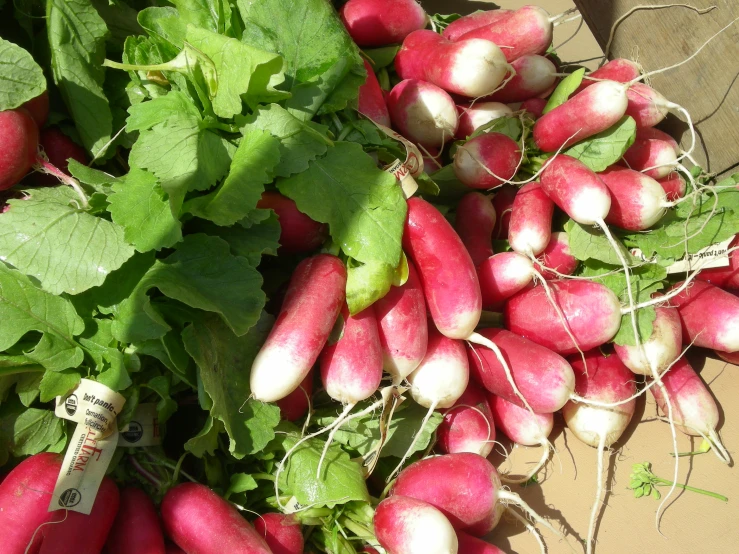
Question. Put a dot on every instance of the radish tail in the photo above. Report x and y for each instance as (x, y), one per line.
(598, 492)
(342, 419)
(542, 462)
(413, 443)
(531, 529)
(512, 498)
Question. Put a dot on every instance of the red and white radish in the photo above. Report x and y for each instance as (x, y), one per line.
(315, 296)
(373, 23)
(535, 106)
(530, 228)
(296, 404)
(674, 186)
(652, 154)
(371, 100)
(730, 357)
(724, 277)
(659, 351)
(533, 76)
(468, 67)
(637, 200)
(18, 148)
(474, 222)
(298, 232)
(422, 112)
(556, 259)
(136, 527)
(487, 161)
(620, 70)
(59, 148)
(473, 21)
(503, 203)
(406, 525)
(474, 116)
(38, 108)
(503, 275)
(647, 106)
(468, 426)
(281, 532)
(403, 327)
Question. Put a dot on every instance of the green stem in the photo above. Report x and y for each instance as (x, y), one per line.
(660, 481)
(345, 131)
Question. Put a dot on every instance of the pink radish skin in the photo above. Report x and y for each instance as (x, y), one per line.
(351, 368)
(544, 378)
(201, 522)
(38, 108)
(406, 525)
(423, 113)
(316, 295)
(647, 106)
(468, 426)
(136, 527)
(443, 375)
(519, 424)
(650, 133)
(470, 68)
(709, 316)
(592, 311)
(527, 31)
(587, 113)
(556, 256)
(402, 326)
(732, 358)
(674, 186)
(281, 532)
(447, 273)
(535, 106)
(371, 101)
(576, 189)
(503, 204)
(475, 221)
(724, 277)
(503, 275)
(295, 405)
(24, 500)
(472, 117)
(694, 410)
(620, 70)
(637, 201)
(487, 161)
(534, 75)
(371, 23)
(658, 154)
(431, 160)
(473, 21)
(530, 228)
(59, 148)
(298, 232)
(19, 144)
(472, 545)
(662, 348)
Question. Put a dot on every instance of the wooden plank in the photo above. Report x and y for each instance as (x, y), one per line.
(706, 86)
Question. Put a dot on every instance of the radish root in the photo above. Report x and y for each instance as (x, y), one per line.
(598, 493)
(540, 464)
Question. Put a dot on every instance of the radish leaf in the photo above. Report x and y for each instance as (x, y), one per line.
(605, 149)
(21, 79)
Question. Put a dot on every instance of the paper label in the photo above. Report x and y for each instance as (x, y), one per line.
(410, 168)
(292, 506)
(715, 255)
(95, 408)
(143, 429)
(402, 174)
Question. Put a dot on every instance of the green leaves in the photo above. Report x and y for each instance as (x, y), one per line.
(588, 242)
(21, 79)
(30, 432)
(77, 44)
(66, 249)
(367, 283)
(606, 148)
(224, 361)
(363, 206)
(563, 91)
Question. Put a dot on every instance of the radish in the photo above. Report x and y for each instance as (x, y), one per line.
(647, 106)
(730, 357)
(374, 23)
(371, 101)
(474, 116)
(38, 108)
(637, 200)
(464, 487)
(281, 532)
(24, 500)
(468, 426)
(406, 525)
(556, 257)
(522, 427)
(709, 316)
(528, 30)
(315, 295)
(474, 222)
(201, 522)
(402, 326)
(533, 76)
(422, 112)
(298, 232)
(602, 378)
(694, 410)
(620, 70)
(471, 68)
(661, 349)
(487, 161)
(674, 186)
(19, 144)
(431, 161)
(530, 228)
(473, 21)
(447, 273)
(439, 381)
(585, 114)
(655, 157)
(724, 277)
(296, 404)
(503, 203)
(535, 106)
(544, 379)
(136, 528)
(503, 275)
(472, 545)
(59, 148)
(369, 550)
(592, 312)
(174, 549)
